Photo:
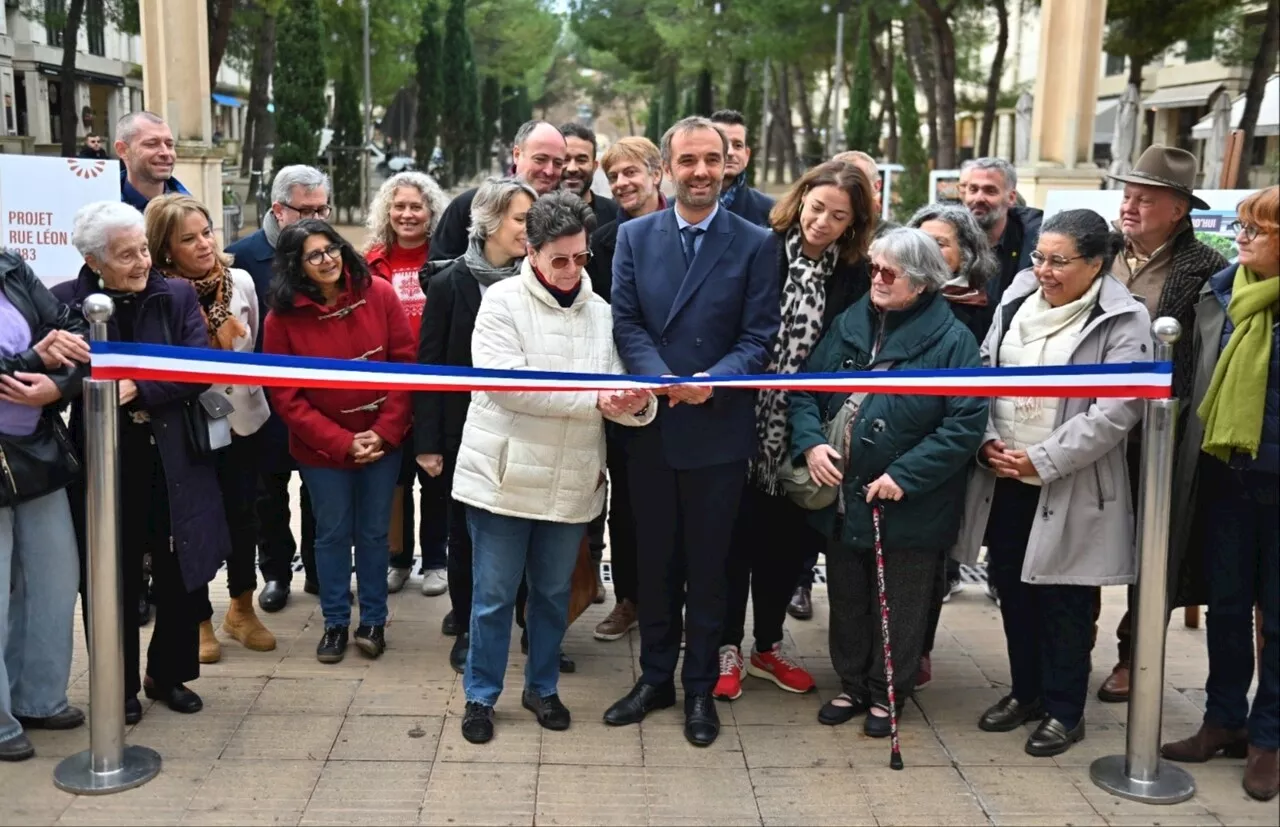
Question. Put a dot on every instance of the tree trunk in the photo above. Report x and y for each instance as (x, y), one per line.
(993, 80)
(882, 63)
(806, 120)
(264, 58)
(631, 122)
(219, 31)
(1136, 65)
(784, 135)
(926, 82)
(67, 114)
(889, 109)
(1263, 62)
(944, 45)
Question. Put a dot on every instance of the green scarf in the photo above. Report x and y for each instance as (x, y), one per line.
(1232, 409)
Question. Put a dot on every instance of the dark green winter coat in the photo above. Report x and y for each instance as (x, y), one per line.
(925, 443)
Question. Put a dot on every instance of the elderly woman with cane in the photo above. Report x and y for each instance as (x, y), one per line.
(902, 456)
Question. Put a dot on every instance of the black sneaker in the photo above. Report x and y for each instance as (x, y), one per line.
(449, 626)
(549, 711)
(371, 640)
(458, 654)
(477, 723)
(332, 647)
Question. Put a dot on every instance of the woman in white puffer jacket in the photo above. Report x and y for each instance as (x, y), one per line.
(532, 463)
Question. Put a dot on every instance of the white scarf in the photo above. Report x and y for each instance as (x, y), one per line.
(1042, 323)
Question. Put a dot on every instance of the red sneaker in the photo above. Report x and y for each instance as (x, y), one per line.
(782, 670)
(924, 673)
(729, 687)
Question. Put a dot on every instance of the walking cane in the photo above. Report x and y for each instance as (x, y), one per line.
(895, 752)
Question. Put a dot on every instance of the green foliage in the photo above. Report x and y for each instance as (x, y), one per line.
(460, 110)
(703, 97)
(1225, 245)
(511, 37)
(622, 28)
(753, 112)
(299, 84)
(913, 185)
(393, 33)
(515, 110)
(653, 124)
(490, 115)
(348, 133)
(860, 130)
(670, 102)
(427, 57)
(688, 104)
(736, 95)
(1143, 29)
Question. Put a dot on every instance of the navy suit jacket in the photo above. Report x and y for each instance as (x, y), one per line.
(753, 205)
(718, 318)
(254, 255)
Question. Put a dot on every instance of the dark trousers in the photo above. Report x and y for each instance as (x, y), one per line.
(856, 640)
(948, 573)
(459, 557)
(275, 537)
(1124, 630)
(433, 532)
(622, 522)
(805, 580)
(174, 654)
(771, 540)
(1048, 628)
(238, 482)
(683, 524)
(1244, 544)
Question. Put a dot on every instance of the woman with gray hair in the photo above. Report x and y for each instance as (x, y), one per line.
(494, 253)
(969, 258)
(531, 466)
(906, 454)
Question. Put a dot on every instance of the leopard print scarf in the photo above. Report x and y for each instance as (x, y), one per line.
(214, 292)
(804, 299)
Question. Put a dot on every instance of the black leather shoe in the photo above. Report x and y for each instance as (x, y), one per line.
(332, 647)
(17, 748)
(311, 586)
(477, 723)
(449, 626)
(567, 665)
(639, 702)
(701, 721)
(69, 718)
(876, 726)
(371, 640)
(274, 596)
(1008, 714)
(1053, 738)
(551, 714)
(178, 698)
(801, 605)
(458, 654)
(832, 714)
(132, 711)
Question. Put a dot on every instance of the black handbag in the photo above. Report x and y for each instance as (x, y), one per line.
(37, 464)
(208, 429)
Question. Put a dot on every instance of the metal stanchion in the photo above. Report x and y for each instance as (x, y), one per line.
(108, 766)
(1140, 774)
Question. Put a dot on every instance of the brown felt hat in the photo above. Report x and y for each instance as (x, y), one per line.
(1166, 166)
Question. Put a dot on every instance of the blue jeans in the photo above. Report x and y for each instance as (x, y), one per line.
(504, 548)
(1242, 556)
(38, 561)
(353, 508)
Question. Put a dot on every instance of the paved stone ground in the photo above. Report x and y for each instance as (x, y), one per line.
(286, 740)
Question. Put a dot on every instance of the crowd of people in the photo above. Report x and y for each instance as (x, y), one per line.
(710, 495)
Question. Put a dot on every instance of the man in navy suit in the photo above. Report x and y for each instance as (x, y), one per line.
(735, 195)
(695, 293)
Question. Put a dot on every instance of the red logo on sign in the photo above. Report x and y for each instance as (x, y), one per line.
(82, 168)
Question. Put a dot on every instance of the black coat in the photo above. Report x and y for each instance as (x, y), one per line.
(453, 299)
(1021, 233)
(847, 284)
(44, 314)
(169, 314)
(449, 241)
(753, 205)
(600, 269)
(606, 210)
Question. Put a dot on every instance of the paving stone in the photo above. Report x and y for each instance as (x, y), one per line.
(591, 795)
(924, 794)
(591, 742)
(161, 801)
(375, 697)
(480, 794)
(284, 696)
(283, 737)
(374, 793)
(706, 796)
(517, 739)
(29, 796)
(175, 735)
(254, 792)
(792, 746)
(387, 738)
(665, 746)
(1027, 791)
(809, 796)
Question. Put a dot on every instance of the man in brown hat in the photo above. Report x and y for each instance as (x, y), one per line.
(1165, 266)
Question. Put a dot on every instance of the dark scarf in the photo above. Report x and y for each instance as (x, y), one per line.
(730, 194)
(564, 298)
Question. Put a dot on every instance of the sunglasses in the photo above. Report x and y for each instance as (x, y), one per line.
(884, 273)
(579, 260)
(316, 257)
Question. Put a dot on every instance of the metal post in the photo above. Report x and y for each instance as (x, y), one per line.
(368, 120)
(1140, 774)
(762, 164)
(833, 130)
(108, 766)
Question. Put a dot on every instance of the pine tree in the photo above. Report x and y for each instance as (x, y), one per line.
(860, 129)
(460, 105)
(427, 55)
(490, 115)
(913, 188)
(298, 90)
(689, 106)
(753, 112)
(653, 124)
(348, 133)
(703, 96)
(736, 96)
(670, 102)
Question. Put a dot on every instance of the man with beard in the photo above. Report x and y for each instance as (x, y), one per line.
(735, 195)
(580, 171)
(144, 143)
(989, 190)
(673, 317)
(539, 155)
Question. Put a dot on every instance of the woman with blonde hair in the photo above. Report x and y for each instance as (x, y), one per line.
(184, 247)
(402, 217)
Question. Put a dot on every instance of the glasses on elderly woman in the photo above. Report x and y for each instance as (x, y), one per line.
(316, 257)
(884, 273)
(1039, 259)
(579, 260)
(1240, 228)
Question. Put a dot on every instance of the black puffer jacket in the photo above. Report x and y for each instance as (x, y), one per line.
(44, 314)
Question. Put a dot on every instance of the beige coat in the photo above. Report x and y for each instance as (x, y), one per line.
(1084, 531)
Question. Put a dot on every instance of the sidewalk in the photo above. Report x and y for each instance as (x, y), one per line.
(286, 740)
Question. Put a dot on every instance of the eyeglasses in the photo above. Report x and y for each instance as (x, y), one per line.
(884, 273)
(1039, 259)
(1240, 228)
(579, 260)
(316, 257)
(309, 212)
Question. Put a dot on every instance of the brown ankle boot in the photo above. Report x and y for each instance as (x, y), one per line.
(242, 624)
(1115, 689)
(210, 648)
(1262, 773)
(1206, 743)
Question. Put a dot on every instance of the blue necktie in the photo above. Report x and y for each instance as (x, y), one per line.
(689, 238)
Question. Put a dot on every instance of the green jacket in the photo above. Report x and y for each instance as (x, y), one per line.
(925, 443)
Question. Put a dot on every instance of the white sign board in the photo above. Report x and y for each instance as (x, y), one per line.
(39, 197)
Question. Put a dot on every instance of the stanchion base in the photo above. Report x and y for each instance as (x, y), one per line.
(75, 774)
(1172, 784)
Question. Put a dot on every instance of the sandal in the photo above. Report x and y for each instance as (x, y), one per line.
(835, 713)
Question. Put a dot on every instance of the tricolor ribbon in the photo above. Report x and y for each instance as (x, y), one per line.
(165, 363)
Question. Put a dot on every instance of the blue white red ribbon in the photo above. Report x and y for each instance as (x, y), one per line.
(121, 360)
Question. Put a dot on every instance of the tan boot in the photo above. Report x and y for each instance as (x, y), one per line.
(210, 648)
(242, 624)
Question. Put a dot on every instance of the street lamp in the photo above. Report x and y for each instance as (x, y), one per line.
(367, 130)
(833, 129)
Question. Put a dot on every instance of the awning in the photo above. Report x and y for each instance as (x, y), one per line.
(227, 100)
(94, 78)
(1179, 97)
(1104, 120)
(1268, 115)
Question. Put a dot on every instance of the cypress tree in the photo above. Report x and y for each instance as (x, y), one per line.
(670, 101)
(914, 184)
(737, 95)
(348, 131)
(427, 55)
(689, 107)
(490, 115)
(703, 95)
(860, 129)
(460, 105)
(653, 124)
(753, 112)
(298, 90)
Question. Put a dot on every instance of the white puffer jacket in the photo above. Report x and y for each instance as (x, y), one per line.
(539, 455)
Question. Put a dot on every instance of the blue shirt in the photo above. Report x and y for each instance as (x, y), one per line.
(137, 200)
(701, 225)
